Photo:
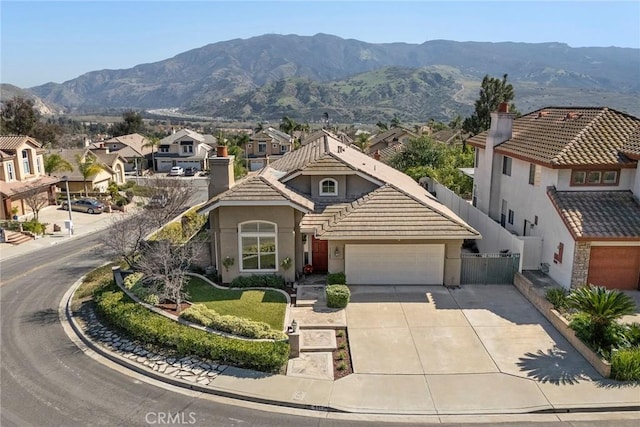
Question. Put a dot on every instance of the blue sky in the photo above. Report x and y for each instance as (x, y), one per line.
(58, 41)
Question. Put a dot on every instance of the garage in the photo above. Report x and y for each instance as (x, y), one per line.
(615, 267)
(405, 264)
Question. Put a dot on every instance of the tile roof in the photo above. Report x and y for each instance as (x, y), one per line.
(12, 142)
(206, 139)
(273, 134)
(598, 215)
(631, 148)
(400, 208)
(133, 141)
(18, 187)
(569, 136)
(390, 213)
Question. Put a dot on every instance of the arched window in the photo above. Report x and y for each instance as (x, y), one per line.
(258, 243)
(328, 187)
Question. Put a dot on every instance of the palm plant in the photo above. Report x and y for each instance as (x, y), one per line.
(152, 142)
(362, 141)
(88, 168)
(55, 163)
(602, 307)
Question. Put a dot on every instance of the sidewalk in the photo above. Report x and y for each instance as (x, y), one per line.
(83, 224)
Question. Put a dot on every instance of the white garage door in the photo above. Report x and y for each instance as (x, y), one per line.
(394, 264)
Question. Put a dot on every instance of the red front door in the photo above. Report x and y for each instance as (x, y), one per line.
(319, 255)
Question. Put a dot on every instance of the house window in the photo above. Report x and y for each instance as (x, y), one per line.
(26, 166)
(262, 147)
(257, 242)
(284, 148)
(511, 216)
(187, 148)
(275, 146)
(328, 187)
(164, 149)
(38, 165)
(476, 157)
(557, 256)
(10, 174)
(506, 166)
(534, 174)
(249, 145)
(594, 177)
(610, 177)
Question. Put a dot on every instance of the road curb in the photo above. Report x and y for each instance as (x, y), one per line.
(88, 346)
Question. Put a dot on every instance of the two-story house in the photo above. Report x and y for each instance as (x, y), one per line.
(266, 146)
(184, 148)
(335, 208)
(571, 176)
(22, 174)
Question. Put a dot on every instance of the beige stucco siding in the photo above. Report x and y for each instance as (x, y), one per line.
(452, 262)
(225, 224)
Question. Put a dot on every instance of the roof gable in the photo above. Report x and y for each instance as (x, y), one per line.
(10, 143)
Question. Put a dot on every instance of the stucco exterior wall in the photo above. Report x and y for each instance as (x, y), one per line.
(636, 182)
(358, 186)
(452, 262)
(225, 225)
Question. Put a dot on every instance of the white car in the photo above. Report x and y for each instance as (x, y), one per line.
(176, 171)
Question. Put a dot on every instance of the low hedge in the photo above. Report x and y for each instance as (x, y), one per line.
(148, 327)
(201, 314)
(134, 283)
(625, 364)
(337, 296)
(258, 281)
(336, 279)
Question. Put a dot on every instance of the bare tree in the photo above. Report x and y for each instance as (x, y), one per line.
(35, 198)
(165, 263)
(127, 235)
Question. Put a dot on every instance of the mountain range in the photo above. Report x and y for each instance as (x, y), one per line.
(269, 76)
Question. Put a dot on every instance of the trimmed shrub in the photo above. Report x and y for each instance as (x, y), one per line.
(337, 296)
(557, 297)
(201, 314)
(336, 279)
(34, 227)
(116, 309)
(134, 283)
(625, 364)
(258, 281)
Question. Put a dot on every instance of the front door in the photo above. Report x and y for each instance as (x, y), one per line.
(319, 255)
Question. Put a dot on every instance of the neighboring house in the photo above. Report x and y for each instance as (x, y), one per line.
(571, 176)
(266, 146)
(22, 175)
(133, 148)
(394, 136)
(338, 210)
(184, 148)
(314, 136)
(112, 169)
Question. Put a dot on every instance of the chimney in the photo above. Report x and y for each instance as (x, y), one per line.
(376, 155)
(220, 174)
(501, 125)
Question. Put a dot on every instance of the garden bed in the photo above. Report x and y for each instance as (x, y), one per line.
(342, 356)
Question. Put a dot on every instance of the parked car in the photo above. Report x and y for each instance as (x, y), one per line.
(176, 171)
(89, 206)
(191, 171)
(158, 201)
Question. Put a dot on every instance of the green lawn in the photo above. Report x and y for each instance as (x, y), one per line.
(264, 306)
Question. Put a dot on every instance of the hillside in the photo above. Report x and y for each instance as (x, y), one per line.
(270, 75)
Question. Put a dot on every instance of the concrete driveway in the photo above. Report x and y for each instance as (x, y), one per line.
(432, 330)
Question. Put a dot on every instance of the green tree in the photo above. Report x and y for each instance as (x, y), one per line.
(88, 168)
(131, 123)
(382, 126)
(18, 117)
(362, 141)
(152, 141)
(602, 307)
(55, 163)
(395, 122)
(493, 92)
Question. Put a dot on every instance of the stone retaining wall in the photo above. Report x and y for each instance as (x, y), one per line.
(539, 301)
